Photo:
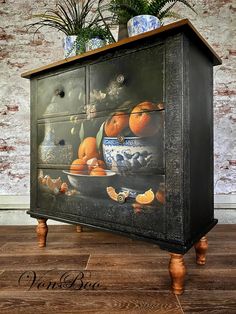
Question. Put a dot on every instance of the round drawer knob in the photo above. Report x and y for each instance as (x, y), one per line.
(60, 92)
(121, 198)
(120, 79)
(120, 139)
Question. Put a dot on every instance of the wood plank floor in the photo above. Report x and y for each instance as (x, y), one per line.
(120, 275)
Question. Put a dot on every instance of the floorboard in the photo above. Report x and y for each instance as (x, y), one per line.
(99, 272)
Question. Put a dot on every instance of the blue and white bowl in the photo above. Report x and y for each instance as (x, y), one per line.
(142, 23)
(94, 43)
(135, 154)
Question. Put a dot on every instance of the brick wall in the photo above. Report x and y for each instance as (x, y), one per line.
(20, 50)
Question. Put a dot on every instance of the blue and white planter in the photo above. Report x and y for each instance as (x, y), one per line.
(70, 46)
(94, 43)
(142, 23)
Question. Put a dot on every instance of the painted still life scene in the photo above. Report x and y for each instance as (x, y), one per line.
(111, 154)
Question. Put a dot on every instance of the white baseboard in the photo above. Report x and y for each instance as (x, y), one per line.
(23, 201)
(14, 201)
(19, 217)
(13, 210)
(225, 201)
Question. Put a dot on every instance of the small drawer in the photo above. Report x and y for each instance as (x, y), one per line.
(125, 81)
(61, 94)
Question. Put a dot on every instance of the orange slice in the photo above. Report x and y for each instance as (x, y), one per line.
(146, 198)
(112, 193)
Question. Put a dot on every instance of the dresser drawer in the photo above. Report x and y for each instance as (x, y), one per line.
(61, 94)
(125, 81)
(89, 200)
(62, 141)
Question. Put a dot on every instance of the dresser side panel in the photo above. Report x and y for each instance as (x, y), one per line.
(201, 141)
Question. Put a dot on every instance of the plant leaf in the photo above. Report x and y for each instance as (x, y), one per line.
(99, 136)
(81, 132)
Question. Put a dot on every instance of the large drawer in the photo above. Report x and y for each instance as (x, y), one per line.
(61, 94)
(63, 140)
(89, 201)
(125, 81)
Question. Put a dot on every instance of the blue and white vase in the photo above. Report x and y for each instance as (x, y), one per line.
(70, 46)
(142, 23)
(94, 43)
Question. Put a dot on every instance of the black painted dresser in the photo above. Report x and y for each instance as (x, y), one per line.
(122, 140)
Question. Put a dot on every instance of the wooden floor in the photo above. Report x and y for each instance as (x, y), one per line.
(125, 276)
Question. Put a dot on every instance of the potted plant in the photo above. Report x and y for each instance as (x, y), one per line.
(143, 15)
(97, 37)
(78, 20)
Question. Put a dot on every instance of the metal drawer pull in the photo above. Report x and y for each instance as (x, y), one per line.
(60, 92)
(120, 139)
(120, 79)
(118, 197)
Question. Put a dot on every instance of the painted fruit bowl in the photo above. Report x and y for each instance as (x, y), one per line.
(132, 155)
(89, 185)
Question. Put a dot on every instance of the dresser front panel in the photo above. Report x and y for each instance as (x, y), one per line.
(61, 94)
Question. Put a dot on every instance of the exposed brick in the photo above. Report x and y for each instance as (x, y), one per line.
(21, 50)
(13, 107)
(16, 64)
(5, 148)
(4, 35)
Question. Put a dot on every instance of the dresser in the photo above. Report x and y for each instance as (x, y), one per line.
(122, 140)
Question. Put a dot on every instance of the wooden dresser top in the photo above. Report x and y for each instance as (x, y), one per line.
(183, 25)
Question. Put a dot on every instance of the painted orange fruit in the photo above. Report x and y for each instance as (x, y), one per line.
(79, 166)
(94, 162)
(116, 124)
(160, 196)
(146, 198)
(98, 171)
(144, 120)
(88, 149)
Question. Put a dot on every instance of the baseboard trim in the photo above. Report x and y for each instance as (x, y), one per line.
(14, 201)
(19, 217)
(23, 201)
(225, 201)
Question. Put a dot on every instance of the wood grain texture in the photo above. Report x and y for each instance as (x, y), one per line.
(209, 302)
(133, 275)
(157, 32)
(96, 302)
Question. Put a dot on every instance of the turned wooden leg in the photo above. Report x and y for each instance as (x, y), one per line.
(42, 230)
(177, 272)
(79, 229)
(201, 249)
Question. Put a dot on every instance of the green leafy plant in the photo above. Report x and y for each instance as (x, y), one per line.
(72, 16)
(124, 10)
(92, 32)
